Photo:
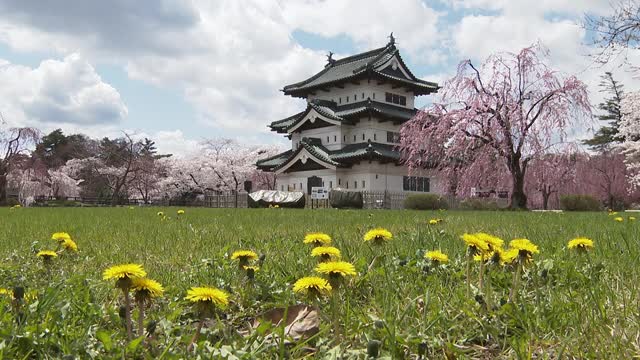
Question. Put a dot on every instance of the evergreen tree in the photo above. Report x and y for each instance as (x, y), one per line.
(608, 135)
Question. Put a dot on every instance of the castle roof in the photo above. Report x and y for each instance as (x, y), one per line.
(374, 64)
(312, 155)
(332, 114)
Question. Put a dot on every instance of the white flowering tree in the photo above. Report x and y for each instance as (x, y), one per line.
(630, 131)
(221, 165)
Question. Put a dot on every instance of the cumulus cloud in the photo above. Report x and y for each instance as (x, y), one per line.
(67, 91)
(368, 22)
(104, 27)
(229, 58)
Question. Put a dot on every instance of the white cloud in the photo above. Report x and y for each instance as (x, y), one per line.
(229, 58)
(174, 142)
(67, 91)
(368, 22)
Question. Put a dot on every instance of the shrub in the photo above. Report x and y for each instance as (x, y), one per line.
(12, 202)
(479, 204)
(341, 199)
(579, 203)
(425, 202)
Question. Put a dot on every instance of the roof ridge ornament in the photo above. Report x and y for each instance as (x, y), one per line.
(392, 40)
(330, 59)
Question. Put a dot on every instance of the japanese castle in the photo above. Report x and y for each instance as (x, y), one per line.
(347, 135)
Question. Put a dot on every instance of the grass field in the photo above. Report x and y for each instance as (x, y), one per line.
(568, 305)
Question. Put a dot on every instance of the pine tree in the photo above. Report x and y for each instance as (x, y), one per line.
(608, 135)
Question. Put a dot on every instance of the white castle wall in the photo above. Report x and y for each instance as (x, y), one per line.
(372, 176)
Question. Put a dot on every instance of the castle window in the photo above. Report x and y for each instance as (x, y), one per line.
(330, 184)
(363, 183)
(339, 181)
(294, 186)
(340, 100)
(347, 98)
(327, 139)
(344, 138)
(395, 99)
(375, 137)
(374, 96)
(363, 95)
(281, 187)
(354, 138)
(393, 137)
(335, 138)
(355, 184)
(347, 184)
(355, 97)
(300, 186)
(362, 136)
(416, 183)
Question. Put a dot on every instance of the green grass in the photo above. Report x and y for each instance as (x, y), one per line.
(568, 305)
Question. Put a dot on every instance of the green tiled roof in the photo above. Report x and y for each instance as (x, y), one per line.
(352, 67)
(339, 158)
(274, 161)
(344, 113)
(366, 150)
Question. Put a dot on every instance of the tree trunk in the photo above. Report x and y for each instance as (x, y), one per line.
(545, 198)
(518, 196)
(3, 189)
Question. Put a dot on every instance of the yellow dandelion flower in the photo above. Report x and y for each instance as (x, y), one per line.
(160, 213)
(312, 284)
(509, 256)
(180, 212)
(618, 219)
(326, 252)
(632, 218)
(244, 255)
(69, 244)
(437, 256)
(208, 295)
(474, 243)
(336, 268)
(46, 254)
(250, 271)
(524, 246)
(146, 287)
(4, 291)
(486, 256)
(494, 242)
(60, 236)
(317, 238)
(124, 271)
(435, 221)
(378, 235)
(581, 243)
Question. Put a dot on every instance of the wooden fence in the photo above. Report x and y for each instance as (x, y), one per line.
(371, 200)
(224, 200)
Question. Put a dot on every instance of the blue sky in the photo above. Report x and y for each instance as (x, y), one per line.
(182, 71)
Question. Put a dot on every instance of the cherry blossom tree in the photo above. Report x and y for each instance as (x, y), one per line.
(617, 33)
(222, 165)
(512, 109)
(630, 131)
(550, 172)
(14, 142)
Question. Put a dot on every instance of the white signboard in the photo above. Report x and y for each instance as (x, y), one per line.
(319, 193)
